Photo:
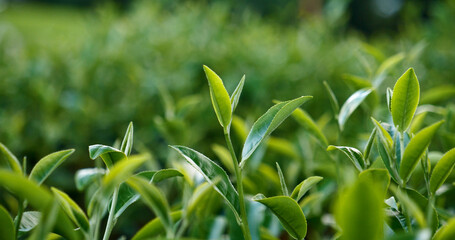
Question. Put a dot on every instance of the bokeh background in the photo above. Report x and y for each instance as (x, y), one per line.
(76, 72)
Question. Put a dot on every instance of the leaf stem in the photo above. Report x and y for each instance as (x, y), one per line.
(17, 222)
(238, 176)
(111, 221)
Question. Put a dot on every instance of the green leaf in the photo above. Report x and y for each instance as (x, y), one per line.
(307, 122)
(353, 154)
(47, 221)
(389, 95)
(359, 212)
(389, 63)
(48, 164)
(405, 99)
(333, 99)
(155, 227)
(369, 145)
(438, 94)
(203, 201)
(29, 221)
(442, 170)
(224, 156)
(211, 172)
(153, 197)
(446, 232)
(415, 150)
(378, 176)
(12, 161)
(85, 177)
(288, 212)
(127, 143)
(6, 225)
(284, 188)
(267, 123)
(410, 205)
(71, 209)
(220, 98)
(351, 105)
(109, 154)
(304, 186)
(236, 94)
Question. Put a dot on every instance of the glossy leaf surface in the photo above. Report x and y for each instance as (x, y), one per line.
(304, 186)
(353, 154)
(442, 170)
(127, 142)
(406, 94)
(71, 209)
(85, 177)
(236, 94)
(48, 164)
(220, 98)
(351, 105)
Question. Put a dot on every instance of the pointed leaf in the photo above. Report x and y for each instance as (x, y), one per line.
(307, 122)
(109, 154)
(405, 99)
(220, 98)
(442, 170)
(236, 94)
(415, 150)
(29, 221)
(333, 99)
(6, 225)
(284, 188)
(155, 227)
(85, 177)
(127, 143)
(446, 232)
(224, 156)
(351, 105)
(304, 186)
(11, 160)
(48, 164)
(289, 213)
(353, 154)
(267, 123)
(369, 145)
(211, 172)
(71, 209)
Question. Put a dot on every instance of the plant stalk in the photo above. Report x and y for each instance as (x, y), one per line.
(111, 220)
(238, 176)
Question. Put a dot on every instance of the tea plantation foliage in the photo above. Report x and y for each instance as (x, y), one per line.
(328, 135)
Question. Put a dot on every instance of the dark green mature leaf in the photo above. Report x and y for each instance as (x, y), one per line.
(212, 172)
(6, 225)
(284, 188)
(442, 170)
(353, 154)
(109, 154)
(304, 186)
(288, 212)
(127, 143)
(236, 94)
(153, 197)
(406, 94)
(378, 176)
(85, 177)
(304, 119)
(415, 150)
(446, 232)
(48, 164)
(220, 98)
(71, 209)
(351, 105)
(359, 212)
(267, 123)
(11, 160)
(155, 227)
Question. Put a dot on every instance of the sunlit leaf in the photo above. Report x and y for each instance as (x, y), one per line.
(446, 232)
(155, 227)
(71, 209)
(405, 99)
(304, 186)
(48, 164)
(353, 154)
(85, 177)
(109, 154)
(8, 156)
(236, 94)
(220, 98)
(378, 176)
(284, 188)
(127, 143)
(351, 105)
(307, 122)
(442, 170)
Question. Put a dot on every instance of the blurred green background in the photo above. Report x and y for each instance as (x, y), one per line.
(75, 73)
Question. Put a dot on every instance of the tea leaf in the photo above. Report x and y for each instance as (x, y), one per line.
(284, 188)
(353, 154)
(351, 105)
(438, 94)
(29, 221)
(236, 94)
(127, 143)
(48, 164)
(446, 232)
(47, 221)
(359, 212)
(333, 99)
(307, 122)
(10, 159)
(442, 170)
(6, 225)
(304, 186)
(389, 95)
(267, 123)
(377, 176)
(220, 98)
(109, 154)
(368, 146)
(153, 197)
(155, 227)
(224, 156)
(405, 99)
(85, 177)
(411, 206)
(390, 63)
(211, 172)
(71, 209)
(415, 150)
(288, 212)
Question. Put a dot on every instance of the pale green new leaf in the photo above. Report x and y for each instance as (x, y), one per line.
(446, 232)
(378, 176)
(333, 100)
(155, 227)
(405, 99)
(6, 225)
(442, 170)
(11, 160)
(267, 123)
(389, 63)
(353, 154)
(85, 177)
(415, 150)
(109, 154)
(304, 186)
(284, 188)
(220, 98)
(48, 164)
(351, 105)
(288, 212)
(212, 172)
(236, 94)
(71, 209)
(127, 143)
(304, 119)
(224, 156)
